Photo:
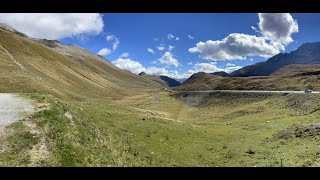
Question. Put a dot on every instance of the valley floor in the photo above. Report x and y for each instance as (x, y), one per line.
(160, 128)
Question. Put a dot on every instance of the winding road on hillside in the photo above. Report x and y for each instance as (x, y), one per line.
(13, 108)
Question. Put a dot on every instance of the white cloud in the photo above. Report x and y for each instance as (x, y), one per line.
(168, 59)
(156, 71)
(161, 47)
(170, 36)
(136, 67)
(54, 25)
(114, 40)
(255, 29)
(170, 48)
(235, 47)
(207, 67)
(190, 63)
(202, 67)
(230, 65)
(156, 39)
(104, 52)
(275, 32)
(190, 37)
(150, 50)
(177, 38)
(130, 65)
(124, 55)
(278, 27)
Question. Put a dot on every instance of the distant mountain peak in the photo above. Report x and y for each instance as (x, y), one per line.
(307, 53)
(142, 74)
(308, 49)
(170, 81)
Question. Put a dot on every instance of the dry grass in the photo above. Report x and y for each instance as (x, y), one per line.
(204, 81)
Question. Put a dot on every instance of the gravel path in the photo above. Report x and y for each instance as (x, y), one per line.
(13, 108)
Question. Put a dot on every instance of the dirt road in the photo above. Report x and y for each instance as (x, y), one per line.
(13, 108)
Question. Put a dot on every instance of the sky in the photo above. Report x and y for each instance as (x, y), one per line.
(177, 44)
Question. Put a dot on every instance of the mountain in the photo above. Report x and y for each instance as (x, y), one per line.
(65, 71)
(163, 80)
(296, 69)
(200, 81)
(207, 81)
(170, 82)
(221, 73)
(307, 53)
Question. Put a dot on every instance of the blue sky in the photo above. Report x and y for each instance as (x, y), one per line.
(229, 40)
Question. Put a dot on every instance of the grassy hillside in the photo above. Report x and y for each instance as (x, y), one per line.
(30, 66)
(204, 81)
(90, 113)
(296, 69)
(158, 129)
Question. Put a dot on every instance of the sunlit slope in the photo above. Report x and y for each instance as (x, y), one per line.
(29, 65)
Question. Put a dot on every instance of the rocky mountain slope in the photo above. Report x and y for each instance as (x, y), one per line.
(307, 53)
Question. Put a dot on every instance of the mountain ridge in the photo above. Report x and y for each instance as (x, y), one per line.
(164, 80)
(66, 71)
(307, 53)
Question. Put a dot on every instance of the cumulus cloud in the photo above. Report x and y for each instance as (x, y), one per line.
(278, 27)
(177, 38)
(114, 40)
(150, 50)
(190, 37)
(161, 47)
(207, 67)
(235, 47)
(168, 59)
(170, 48)
(203, 67)
(156, 71)
(124, 55)
(54, 25)
(104, 51)
(135, 67)
(130, 65)
(275, 32)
